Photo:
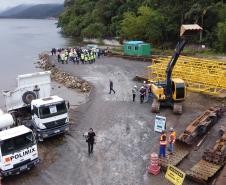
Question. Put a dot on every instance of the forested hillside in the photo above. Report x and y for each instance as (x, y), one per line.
(39, 11)
(155, 21)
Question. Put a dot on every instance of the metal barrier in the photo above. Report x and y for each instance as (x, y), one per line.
(201, 75)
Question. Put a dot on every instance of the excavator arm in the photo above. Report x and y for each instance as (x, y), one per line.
(185, 32)
(179, 48)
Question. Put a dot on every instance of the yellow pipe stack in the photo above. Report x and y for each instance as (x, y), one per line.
(201, 75)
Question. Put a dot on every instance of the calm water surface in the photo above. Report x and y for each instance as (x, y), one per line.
(21, 41)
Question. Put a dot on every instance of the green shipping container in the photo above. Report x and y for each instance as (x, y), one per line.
(137, 48)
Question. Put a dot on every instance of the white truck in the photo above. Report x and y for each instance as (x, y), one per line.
(32, 105)
(18, 147)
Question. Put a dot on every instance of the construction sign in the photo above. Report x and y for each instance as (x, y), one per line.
(175, 175)
(160, 123)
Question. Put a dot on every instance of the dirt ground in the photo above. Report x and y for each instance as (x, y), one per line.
(125, 132)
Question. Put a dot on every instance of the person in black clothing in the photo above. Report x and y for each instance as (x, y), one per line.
(77, 59)
(53, 51)
(142, 94)
(111, 87)
(90, 140)
(58, 58)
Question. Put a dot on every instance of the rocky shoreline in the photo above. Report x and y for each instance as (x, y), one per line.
(61, 77)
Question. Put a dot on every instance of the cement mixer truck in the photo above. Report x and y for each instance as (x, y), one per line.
(18, 148)
(32, 105)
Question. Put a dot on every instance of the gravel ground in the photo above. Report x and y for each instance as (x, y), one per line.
(124, 130)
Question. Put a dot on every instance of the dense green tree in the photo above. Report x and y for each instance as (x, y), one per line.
(156, 21)
(221, 36)
(147, 25)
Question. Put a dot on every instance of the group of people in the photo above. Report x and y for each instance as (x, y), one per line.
(77, 55)
(164, 141)
(144, 92)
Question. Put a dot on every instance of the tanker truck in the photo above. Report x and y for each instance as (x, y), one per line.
(31, 104)
(18, 147)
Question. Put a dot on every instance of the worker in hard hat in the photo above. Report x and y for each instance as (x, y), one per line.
(142, 94)
(134, 92)
(149, 93)
(163, 144)
(172, 139)
(145, 85)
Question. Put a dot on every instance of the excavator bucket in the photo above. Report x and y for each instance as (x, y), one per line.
(190, 29)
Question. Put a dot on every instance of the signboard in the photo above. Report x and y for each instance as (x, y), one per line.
(160, 123)
(175, 175)
(53, 109)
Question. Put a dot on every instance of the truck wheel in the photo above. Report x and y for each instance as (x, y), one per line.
(28, 97)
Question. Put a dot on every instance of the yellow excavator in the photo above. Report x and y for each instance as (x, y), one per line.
(172, 91)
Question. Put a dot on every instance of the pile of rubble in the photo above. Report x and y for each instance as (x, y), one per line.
(61, 77)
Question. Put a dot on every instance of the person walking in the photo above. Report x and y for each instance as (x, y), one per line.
(142, 94)
(134, 92)
(111, 87)
(163, 143)
(90, 140)
(172, 139)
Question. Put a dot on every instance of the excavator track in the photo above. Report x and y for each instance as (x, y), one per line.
(177, 108)
(155, 107)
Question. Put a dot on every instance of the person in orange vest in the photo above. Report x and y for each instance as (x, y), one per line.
(163, 144)
(172, 139)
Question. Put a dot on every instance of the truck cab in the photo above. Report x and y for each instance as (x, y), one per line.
(18, 151)
(31, 104)
(49, 116)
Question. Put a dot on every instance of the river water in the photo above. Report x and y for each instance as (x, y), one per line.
(21, 41)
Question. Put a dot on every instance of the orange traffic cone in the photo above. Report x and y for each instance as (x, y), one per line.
(154, 167)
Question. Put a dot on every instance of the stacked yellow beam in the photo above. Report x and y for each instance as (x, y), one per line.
(201, 75)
